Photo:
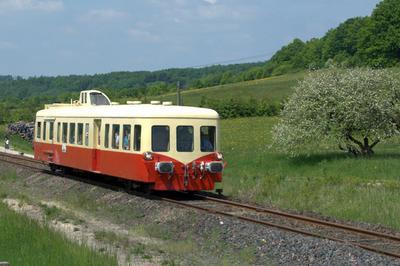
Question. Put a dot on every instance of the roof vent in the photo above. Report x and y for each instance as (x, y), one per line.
(167, 103)
(134, 102)
(155, 102)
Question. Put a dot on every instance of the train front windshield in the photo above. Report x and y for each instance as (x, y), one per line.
(98, 99)
(160, 139)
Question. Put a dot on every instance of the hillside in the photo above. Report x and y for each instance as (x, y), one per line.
(127, 84)
(273, 89)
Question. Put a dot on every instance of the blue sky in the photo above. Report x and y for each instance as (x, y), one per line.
(60, 37)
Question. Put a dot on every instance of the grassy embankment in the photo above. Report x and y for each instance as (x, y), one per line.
(273, 89)
(24, 242)
(326, 182)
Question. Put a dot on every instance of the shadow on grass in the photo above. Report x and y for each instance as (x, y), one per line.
(314, 159)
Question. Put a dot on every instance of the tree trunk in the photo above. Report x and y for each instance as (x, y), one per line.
(366, 149)
(361, 148)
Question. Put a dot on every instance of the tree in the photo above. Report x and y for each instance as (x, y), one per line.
(354, 108)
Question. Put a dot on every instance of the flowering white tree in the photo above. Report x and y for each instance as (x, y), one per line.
(354, 108)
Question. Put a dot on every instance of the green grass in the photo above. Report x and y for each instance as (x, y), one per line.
(273, 89)
(326, 182)
(16, 142)
(24, 242)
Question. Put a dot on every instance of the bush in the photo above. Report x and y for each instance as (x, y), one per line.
(232, 108)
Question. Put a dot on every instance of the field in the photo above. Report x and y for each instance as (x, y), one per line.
(326, 182)
(273, 89)
(24, 242)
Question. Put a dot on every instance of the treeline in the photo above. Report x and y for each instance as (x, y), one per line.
(238, 107)
(372, 41)
(129, 84)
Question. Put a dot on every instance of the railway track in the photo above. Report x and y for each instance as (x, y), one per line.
(374, 241)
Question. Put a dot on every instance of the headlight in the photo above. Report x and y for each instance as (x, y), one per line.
(219, 156)
(165, 167)
(214, 167)
(148, 156)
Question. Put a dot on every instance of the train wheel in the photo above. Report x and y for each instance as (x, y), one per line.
(145, 188)
(66, 170)
(53, 168)
(128, 185)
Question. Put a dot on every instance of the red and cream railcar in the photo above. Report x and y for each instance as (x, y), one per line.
(167, 147)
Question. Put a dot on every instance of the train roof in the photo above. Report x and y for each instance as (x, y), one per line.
(128, 111)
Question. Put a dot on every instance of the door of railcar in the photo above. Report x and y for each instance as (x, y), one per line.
(96, 142)
(51, 151)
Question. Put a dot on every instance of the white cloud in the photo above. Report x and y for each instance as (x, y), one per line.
(218, 11)
(212, 2)
(41, 5)
(103, 15)
(143, 35)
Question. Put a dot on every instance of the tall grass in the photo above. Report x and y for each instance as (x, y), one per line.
(327, 181)
(24, 242)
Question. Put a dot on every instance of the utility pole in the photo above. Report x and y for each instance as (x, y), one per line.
(178, 93)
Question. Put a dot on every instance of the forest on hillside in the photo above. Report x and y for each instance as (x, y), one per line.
(372, 41)
(362, 41)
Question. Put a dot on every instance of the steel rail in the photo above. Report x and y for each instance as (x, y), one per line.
(280, 226)
(302, 218)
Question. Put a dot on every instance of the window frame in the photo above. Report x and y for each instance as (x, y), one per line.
(58, 131)
(114, 144)
(51, 130)
(137, 141)
(124, 126)
(64, 135)
(177, 139)
(72, 137)
(87, 134)
(214, 138)
(79, 132)
(44, 130)
(169, 138)
(106, 136)
(38, 130)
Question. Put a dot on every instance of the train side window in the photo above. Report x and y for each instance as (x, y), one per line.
(106, 135)
(126, 138)
(87, 134)
(207, 138)
(160, 138)
(51, 134)
(138, 137)
(38, 129)
(58, 131)
(80, 134)
(72, 133)
(99, 135)
(44, 130)
(115, 137)
(64, 132)
(184, 138)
